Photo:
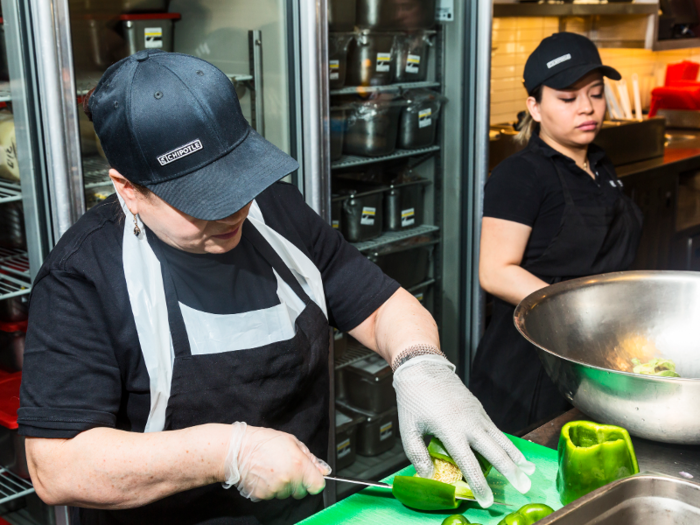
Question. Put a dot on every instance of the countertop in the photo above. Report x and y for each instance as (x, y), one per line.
(674, 460)
(683, 152)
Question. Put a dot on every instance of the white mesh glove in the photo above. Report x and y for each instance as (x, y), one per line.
(264, 464)
(433, 400)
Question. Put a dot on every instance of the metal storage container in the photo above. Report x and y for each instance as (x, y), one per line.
(412, 51)
(338, 119)
(371, 60)
(346, 438)
(341, 15)
(404, 205)
(372, 127)
(408, 267)
(338, 58)
(378, 433)
(386, 15)
(12, 222)
(147, 31)
(419, 119)
(368, 384)
(362, 215)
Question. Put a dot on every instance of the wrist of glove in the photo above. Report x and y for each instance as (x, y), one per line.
(263, 463)
(432, 400)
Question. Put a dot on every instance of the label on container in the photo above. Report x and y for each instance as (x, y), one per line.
(334, 69)
(383, 62)
(425, 118)
(335, 224)
(420, 296)
(408, 217)
(385, 431)
(445, 10)
(343, 449)
(412, 63)
(368, 216)
(153, 37)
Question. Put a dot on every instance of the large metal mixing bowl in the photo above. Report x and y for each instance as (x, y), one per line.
(587, 330)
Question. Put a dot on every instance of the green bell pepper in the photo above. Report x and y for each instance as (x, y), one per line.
(590, 456)
(424, 493)
(437, 450)
(527, 515)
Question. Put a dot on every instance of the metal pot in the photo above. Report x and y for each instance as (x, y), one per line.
(371, 60)
(341, 15)
(400, 15)
(587, 330)
(412, 51)
(337, 58)
(372, 128)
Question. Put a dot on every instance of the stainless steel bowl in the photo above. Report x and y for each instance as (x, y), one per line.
(587, 330)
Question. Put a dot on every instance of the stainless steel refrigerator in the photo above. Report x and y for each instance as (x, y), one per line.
(394, 155)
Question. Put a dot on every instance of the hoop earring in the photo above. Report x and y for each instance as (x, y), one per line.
(137, 230)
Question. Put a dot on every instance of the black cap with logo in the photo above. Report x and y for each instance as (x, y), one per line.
(562, 59)
(173, 123)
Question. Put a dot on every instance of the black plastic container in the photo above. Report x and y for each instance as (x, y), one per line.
(338, 58)
(362, 215)
(424, 294)
(337, 120)
(346, 438)
(368, 385)
(371, 59)
(418, 122)
(377, 433)
(372, 127)
(412, 52)
(12, 226)
(404, 206)
(341, 15)
(408, 267)
(336, 212)
(386, 15)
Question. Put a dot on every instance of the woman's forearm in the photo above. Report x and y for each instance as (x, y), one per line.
(511, 283)
(399, 323)
(113, 469)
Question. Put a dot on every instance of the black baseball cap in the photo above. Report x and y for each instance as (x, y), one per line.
(172, 123)
(561, 60)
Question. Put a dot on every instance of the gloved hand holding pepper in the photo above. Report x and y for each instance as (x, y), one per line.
(433, 400)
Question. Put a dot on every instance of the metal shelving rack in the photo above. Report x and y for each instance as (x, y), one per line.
(9, 191)
(347, 161)
(389, 88)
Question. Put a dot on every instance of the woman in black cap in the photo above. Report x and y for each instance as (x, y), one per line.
(553, 211)
(178, 333)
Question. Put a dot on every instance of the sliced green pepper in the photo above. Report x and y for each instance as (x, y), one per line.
(437, 450)
(527, 515)
(424, 493)
(455, 519)
(590, 456)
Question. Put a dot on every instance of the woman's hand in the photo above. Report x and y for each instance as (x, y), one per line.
(264, 464)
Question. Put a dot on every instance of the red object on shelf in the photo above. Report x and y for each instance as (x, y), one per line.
(9, 398)
(151, 16)
(19, 326)
(675, 97)
(682, 71)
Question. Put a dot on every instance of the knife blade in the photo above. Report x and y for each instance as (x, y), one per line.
(382, 485)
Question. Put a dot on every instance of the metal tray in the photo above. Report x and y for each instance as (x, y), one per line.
(644, 498)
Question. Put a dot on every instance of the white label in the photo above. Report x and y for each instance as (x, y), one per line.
(383, 62)
(153, 37)
(408, 217)
(368, 215)
(343, 448)
(335, 224)
(385, 431)
(559, 60)
(182, 151)
(424, 118)
(412, 63)
(335, 69)
(445, 10)
(420, 296)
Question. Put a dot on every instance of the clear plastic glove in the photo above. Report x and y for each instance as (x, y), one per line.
(264, 464)
(433, 400)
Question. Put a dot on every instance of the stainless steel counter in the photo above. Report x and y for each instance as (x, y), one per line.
(681, 461)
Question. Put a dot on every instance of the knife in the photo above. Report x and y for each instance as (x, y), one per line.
(381, 485)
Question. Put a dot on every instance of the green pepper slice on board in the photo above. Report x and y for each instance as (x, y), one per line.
(527, 514)
(424, 494)
(592, 455)
(437, 450)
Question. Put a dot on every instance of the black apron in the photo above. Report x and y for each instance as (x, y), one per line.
(507, 375)
(284, 386)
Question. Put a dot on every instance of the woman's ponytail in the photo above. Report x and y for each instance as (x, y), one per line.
(529, 126)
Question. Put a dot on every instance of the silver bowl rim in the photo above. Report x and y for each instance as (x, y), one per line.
(583, 282)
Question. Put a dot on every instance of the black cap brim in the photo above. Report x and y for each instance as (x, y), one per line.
(222, 188)
(570, 76)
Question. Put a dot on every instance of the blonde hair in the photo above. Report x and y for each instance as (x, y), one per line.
(529, 125)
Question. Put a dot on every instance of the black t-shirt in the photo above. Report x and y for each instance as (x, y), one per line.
(83, 366)
(525, 188)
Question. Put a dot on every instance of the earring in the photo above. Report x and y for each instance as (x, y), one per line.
(137, 230)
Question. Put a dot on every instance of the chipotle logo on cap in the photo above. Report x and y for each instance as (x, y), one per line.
(182, 151)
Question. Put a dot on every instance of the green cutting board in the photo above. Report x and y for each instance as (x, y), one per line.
(377, 506)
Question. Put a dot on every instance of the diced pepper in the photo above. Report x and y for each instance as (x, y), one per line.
(527, 515)
(592, 455)
(437, 450)
(655, 367)
(424, 494)
(455, 519)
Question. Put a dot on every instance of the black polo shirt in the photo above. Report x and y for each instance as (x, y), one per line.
(525, 188)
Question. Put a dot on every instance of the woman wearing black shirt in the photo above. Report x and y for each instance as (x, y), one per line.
(553, 211)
